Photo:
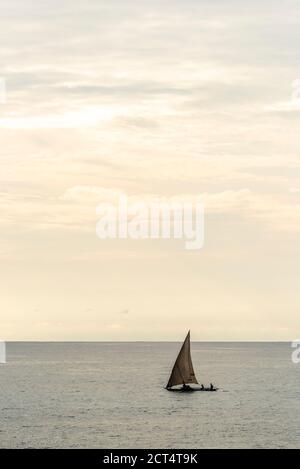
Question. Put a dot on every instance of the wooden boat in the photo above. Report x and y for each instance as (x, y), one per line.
(183, 372)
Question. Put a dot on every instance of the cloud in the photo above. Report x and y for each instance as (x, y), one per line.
(294, 190)
(84, 194)
(76, 208)
(291, 106)
(123, 312)
(85, 117)
(176, 100)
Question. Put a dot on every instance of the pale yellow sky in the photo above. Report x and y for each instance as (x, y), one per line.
(165, 99)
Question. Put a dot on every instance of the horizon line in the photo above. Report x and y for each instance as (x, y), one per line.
(151, 341)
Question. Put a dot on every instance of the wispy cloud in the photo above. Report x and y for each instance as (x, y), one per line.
(176, 100)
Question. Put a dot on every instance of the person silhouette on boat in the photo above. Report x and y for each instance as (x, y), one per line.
(202, 387)
(211, 387)
(186, 387)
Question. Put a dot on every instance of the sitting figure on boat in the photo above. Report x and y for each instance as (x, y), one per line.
(211, 387)
(202, 387)
(186, 387)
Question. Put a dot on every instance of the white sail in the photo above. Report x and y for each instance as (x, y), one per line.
(183, 371)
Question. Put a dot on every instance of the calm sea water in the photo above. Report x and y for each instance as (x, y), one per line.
(111, 395)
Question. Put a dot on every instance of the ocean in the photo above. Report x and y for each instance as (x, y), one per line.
(111, 395)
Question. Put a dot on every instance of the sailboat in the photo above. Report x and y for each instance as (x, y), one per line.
(183, 371)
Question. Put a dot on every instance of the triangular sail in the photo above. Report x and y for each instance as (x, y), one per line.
(183, 371)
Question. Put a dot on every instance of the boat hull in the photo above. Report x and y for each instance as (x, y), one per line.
(192, 390)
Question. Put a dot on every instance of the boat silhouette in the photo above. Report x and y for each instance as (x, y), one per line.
(183, 371)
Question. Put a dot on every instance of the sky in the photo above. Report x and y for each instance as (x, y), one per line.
(152, 99)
